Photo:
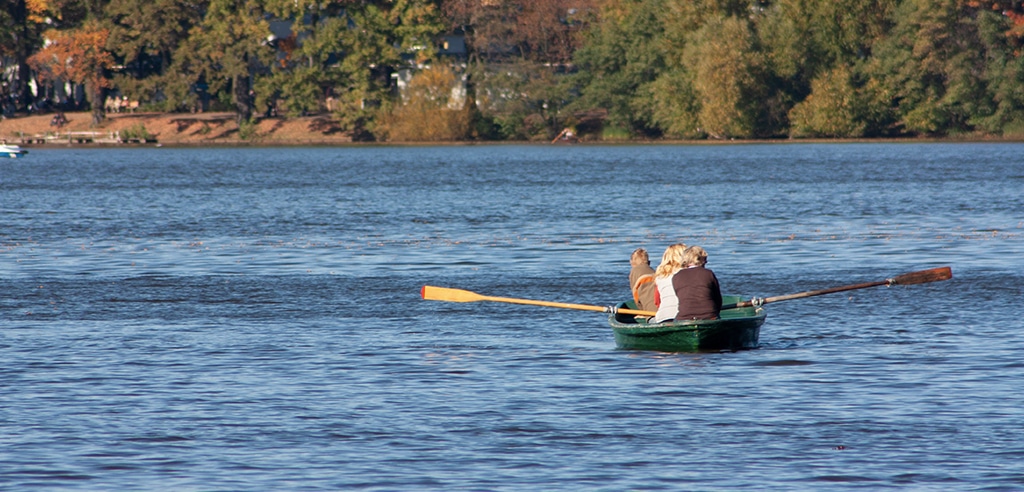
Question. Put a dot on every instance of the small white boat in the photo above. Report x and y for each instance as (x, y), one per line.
(12, 151)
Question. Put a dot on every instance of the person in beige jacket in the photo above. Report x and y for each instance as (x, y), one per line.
(641, 280)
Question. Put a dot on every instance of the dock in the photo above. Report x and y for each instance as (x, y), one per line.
(87, 137)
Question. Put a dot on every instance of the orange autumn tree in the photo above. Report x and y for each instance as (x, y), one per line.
(78, 56)
(1012, 9)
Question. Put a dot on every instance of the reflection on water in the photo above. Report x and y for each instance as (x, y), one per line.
(250, 318)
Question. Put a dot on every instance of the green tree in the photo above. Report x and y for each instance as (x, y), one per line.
(671, 102)
(1004, 72)
(375, 48)
(728, 76)
(804, 38)
(20, 34)
(228, 51)
(303, 72)
(930, 69)
(623, 52)
(144, 36)
(834, 108)
(347, 49)
(804, 41)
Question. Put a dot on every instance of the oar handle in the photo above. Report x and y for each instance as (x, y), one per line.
(564, 305)
(531, 302)
(432, 293)
(757, 301)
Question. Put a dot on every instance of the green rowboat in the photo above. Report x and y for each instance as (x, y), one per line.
(735, 329)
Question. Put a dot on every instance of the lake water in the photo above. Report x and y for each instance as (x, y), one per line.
(250, 319)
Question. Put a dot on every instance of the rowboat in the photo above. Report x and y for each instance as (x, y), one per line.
(12, 151)
(735, 329)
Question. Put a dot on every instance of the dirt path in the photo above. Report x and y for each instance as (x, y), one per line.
(179, 129)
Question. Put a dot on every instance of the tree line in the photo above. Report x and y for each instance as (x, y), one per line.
(525, 69)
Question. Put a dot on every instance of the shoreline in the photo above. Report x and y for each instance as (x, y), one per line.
(219, 129)
(168, 129)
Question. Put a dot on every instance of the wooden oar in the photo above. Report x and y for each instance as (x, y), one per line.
(921, 277)
(432, 293)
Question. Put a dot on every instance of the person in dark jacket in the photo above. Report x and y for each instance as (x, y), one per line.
(696, 287)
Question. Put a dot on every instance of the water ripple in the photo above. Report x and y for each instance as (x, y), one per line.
(195, 319)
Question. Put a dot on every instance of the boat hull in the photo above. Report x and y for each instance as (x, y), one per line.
(736, 329)
(12, 151)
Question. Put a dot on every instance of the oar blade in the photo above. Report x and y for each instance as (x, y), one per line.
(924, 276)
(432, 293)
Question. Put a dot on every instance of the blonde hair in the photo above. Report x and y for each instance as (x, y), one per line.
(671, 260)
(695, 255)
(639, 257)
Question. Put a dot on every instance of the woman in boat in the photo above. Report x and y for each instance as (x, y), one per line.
(665, 294)
(696, 288)
(641, 280)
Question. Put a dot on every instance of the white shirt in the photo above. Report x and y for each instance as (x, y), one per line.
(669, 302)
